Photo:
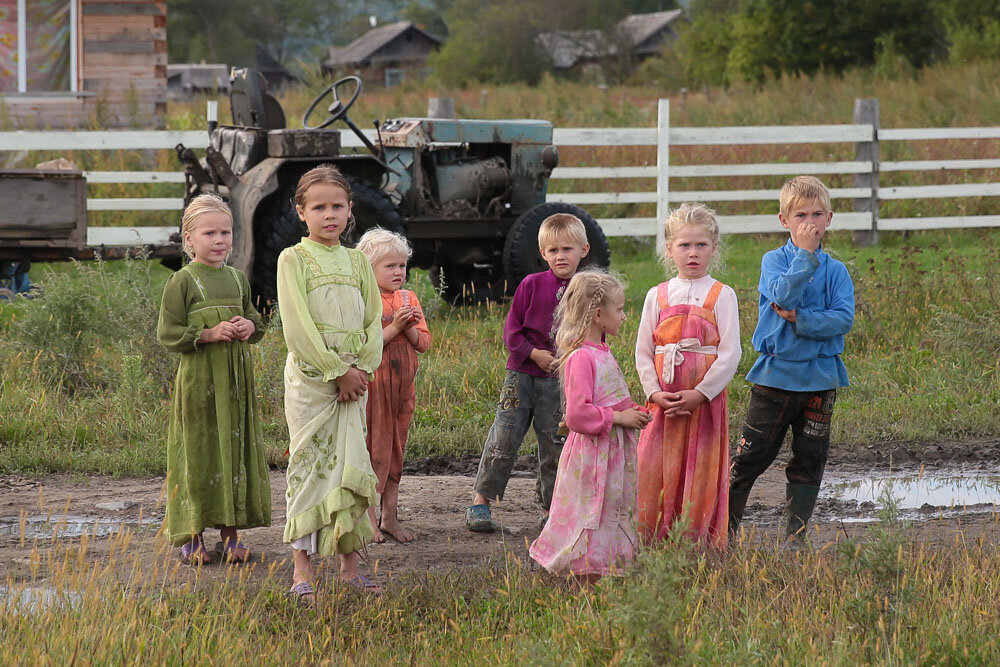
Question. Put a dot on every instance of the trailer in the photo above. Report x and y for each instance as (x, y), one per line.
(44, 218)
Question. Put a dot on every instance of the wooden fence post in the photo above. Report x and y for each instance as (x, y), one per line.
(866, 113)
(662, 170)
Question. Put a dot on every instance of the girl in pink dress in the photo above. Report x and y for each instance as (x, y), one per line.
(686, 352)
(591, 529)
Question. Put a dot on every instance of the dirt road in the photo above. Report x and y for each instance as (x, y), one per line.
(433, 507)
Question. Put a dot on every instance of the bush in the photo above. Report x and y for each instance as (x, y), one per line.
(82, 326)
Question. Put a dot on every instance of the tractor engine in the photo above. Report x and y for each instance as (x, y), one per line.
(484, 184)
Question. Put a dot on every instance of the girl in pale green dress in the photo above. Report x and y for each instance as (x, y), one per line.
(331, 315)
(216, 471)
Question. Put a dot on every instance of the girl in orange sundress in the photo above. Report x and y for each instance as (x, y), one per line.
(687, 351)
(392, 397)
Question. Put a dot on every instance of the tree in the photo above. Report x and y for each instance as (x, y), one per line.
(495, 44)
(803, 36)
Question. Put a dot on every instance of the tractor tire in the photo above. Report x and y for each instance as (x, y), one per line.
(371, 208)
(466, 285)
(282, 228)
(521, 256)
(279, 228)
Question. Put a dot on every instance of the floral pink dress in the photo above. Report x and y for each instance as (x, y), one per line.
(591, 527)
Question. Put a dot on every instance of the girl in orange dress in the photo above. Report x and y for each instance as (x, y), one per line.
(687, 351)
(391, 396)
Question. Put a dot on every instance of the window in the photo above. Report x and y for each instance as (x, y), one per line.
(394, 77)
(38, 45)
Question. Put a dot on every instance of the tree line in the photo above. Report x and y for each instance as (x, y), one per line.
(719, 41)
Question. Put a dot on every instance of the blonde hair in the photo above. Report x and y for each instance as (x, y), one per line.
(688, 214)
(587, 291)
(376, 243)
(803, 189)
(199, 206)
(562, 225)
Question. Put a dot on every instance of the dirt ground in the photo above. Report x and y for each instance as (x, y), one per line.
(433, 497)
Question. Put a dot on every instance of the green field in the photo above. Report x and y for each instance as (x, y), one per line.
(85, 387)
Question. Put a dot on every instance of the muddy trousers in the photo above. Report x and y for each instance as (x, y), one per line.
(770, 414)
(525, 400)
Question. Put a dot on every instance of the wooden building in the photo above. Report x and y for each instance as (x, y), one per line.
(386, 55)
(634, 38)
(83, 63)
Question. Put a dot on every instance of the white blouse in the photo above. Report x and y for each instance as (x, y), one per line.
(681, 291)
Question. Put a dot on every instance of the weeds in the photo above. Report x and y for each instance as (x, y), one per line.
(874, 600)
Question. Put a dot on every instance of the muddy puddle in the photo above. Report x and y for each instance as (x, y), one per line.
(36, 598)
(919, 495)
(44, 527)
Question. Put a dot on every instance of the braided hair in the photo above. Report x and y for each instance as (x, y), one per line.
(587, 291)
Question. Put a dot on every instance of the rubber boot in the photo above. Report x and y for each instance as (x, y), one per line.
(737, 505)
(800, 500)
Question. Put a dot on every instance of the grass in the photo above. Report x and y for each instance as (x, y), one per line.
(882, 600)
(921, 368)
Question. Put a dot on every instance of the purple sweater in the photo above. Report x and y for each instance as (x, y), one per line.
(529, 322)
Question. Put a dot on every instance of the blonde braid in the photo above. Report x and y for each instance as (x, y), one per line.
(576, 310)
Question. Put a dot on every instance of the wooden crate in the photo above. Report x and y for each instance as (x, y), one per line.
(43, 208)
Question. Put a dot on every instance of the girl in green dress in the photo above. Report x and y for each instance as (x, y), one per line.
(216, 471)
(331, 316)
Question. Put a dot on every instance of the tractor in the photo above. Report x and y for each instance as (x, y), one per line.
(468, 194)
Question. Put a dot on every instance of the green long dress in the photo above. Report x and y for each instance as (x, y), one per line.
(216, 470)
(331, 316)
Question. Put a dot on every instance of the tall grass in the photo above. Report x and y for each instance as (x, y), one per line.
(921, 356)
(883, 600)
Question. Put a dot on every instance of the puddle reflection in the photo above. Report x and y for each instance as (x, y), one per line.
(917, 491)
(36, 598)
(47, 528)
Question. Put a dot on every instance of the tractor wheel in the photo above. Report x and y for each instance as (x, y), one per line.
(371, 208)
(466, 285)
(520, 253)
(279, 228)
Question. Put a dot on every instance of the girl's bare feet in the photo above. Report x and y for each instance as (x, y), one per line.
(392, 525)
(390, 518)
(378, 537)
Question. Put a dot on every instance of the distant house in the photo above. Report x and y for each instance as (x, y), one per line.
(386, 55)
(276, 75)
(184, 80)
(73, 63)
(641, 34)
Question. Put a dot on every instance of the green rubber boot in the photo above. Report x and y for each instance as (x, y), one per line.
(800, 500)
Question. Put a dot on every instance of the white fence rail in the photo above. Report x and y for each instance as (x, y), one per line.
(864, 135)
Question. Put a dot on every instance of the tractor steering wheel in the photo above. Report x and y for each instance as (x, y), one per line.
(337, 109)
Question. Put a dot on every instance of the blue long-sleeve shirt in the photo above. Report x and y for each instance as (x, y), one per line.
(804, 356)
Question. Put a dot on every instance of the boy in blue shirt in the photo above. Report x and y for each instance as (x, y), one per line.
(806, 307)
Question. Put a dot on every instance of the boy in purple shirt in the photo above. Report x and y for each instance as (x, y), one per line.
(530, 393)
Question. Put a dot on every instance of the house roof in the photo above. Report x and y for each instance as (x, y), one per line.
(198, 76)
(368, 44)
(640, 27)
(566, 47)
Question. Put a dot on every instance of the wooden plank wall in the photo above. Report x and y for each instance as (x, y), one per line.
(122, 51)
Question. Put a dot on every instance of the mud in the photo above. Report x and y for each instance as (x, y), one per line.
(944, 489)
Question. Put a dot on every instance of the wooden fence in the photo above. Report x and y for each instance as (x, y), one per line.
(866, 194)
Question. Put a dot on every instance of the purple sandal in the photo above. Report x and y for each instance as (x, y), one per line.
(364, 584)
(194, 553)
(228, 548)
(301, 591)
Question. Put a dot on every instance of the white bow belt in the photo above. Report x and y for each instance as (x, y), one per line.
(673, 355)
